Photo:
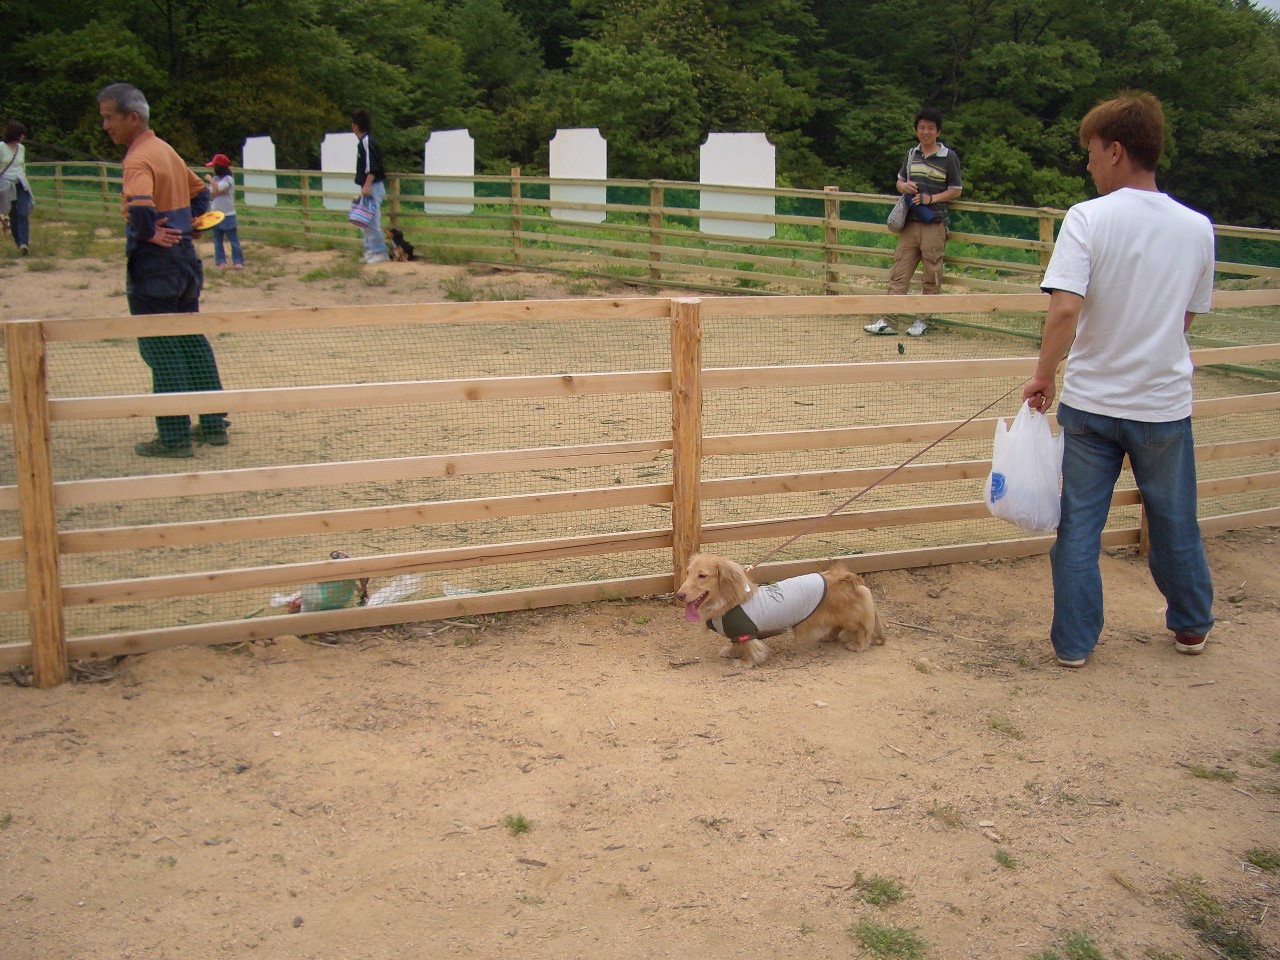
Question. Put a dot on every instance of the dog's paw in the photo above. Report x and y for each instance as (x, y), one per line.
(731, 651)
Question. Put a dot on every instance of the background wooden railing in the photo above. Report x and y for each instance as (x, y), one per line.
(535, 453)
(824, 241)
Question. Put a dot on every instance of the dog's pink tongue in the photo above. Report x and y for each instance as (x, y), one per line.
(691, 612)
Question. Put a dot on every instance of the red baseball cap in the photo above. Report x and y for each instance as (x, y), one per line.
(219, 160)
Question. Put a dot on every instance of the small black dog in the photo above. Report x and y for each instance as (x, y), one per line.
(401, 249)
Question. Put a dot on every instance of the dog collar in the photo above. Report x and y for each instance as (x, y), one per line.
(742, 639)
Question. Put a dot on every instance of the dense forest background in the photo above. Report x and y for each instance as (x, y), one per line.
(834, 83)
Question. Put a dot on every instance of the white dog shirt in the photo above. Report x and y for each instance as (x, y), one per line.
(773, 608)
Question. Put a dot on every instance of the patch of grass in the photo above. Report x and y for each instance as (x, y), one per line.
(946, 814)
(1004, 726)
(1075, 946)
(342, 270)
(5, 821)
(879, 891)
(461, 290)
(805, 929)
(442, 255)
(1264, 858)
(169, 862)
(1223, 931)
(889, 941)
(378, 279)
(516, 824)
(466, 642)
(1005, 859)
(44, 265)
(1274, 757)
(1213, 773)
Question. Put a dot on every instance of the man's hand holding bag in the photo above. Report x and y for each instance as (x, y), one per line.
(1026, 468)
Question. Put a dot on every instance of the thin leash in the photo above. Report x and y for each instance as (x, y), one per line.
(871, 486)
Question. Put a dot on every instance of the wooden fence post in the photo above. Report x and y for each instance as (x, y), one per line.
(57, 184)
(686, 432)
(395, 201)
(306, 206)
(106, 192)
(33, 457)
(656, 200)
(830, 239)
(1046, 236)
(516, 242)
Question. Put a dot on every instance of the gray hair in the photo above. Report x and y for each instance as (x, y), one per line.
(127, 98)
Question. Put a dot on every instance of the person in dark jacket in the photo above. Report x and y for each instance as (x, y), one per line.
(371, 176)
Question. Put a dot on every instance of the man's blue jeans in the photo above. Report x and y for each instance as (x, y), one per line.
(375, 244)
(1164, 466)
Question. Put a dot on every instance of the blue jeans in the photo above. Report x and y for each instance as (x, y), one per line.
(1164, 466)
(20, 216)
(226, 230)
(374, 242)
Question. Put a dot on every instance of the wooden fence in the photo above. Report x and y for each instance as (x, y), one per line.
(1238, 462)
(824, 241)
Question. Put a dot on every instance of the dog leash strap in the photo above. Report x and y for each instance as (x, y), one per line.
(875, 483)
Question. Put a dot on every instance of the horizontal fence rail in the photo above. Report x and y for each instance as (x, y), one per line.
(650, 231)
(506, 456)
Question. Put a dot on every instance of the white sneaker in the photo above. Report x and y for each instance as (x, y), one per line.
(377, 258)
(880, 327)
(917, 329)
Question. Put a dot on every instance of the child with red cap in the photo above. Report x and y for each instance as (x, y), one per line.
(222, 188)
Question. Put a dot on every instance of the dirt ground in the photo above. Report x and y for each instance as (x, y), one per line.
(594, 782)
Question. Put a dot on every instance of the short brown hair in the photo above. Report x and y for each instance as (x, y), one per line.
(1134, 119)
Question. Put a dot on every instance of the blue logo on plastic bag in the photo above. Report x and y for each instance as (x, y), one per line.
(997, 486)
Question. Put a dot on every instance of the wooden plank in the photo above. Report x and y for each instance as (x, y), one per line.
(1249, 353)
(240, 529)
(33, 467)
(1248, 483)
(861, 304)
(362, 396)
(815, 374)
(686, 431)
(70, 493)
(370, 315)
(828, 438)
(383, 565)
(1225, 406)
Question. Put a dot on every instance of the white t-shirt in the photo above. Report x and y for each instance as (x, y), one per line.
(1142, 261)
(225, 203)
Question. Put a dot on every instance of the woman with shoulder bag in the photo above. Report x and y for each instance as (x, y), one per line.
(16, 200)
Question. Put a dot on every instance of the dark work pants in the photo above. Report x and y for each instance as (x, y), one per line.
(170, 281)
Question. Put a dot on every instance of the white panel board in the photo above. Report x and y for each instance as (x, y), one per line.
(578, 154)
(737, 160)
(338, 156)
(259, 155)
(449, 153)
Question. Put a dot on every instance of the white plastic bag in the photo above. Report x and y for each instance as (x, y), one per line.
(1026, 467)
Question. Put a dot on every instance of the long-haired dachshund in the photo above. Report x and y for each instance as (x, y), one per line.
(830, 606)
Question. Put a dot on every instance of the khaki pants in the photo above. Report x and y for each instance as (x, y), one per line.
(919, 243)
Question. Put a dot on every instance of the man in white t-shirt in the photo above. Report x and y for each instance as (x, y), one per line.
(1129, 272)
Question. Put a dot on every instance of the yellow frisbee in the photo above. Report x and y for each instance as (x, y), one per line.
(207, 220)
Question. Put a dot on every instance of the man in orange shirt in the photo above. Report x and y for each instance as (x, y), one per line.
(161, 197)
